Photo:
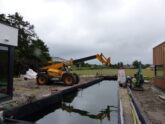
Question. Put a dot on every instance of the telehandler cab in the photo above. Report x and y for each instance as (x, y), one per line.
(59, 70)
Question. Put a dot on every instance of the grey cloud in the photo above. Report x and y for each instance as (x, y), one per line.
(125, 30)
(123, 38)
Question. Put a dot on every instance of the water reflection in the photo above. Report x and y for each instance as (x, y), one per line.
(102, 114)
(105, 113)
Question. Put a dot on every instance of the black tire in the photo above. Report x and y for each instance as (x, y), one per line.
(141, 80)
(120, 85)
(77, 78)
(129, 83)
(42, 79)
(69, 79)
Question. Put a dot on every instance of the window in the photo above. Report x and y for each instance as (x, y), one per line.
(159, 71)
(3, 71)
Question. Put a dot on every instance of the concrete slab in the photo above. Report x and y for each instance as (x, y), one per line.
(125, 99)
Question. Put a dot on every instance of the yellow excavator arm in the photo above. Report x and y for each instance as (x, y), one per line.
(103, 59)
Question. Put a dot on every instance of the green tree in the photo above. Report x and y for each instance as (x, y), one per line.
(146, 65)
(136, 63)
(120, 64)
(31, 51)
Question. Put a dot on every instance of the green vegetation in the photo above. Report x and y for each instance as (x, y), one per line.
(147, 73)
(31, 51)
(136, 63)
(95, 71)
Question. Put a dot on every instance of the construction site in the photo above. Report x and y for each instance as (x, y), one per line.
(38, 88)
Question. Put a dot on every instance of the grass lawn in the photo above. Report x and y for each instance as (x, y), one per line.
(146, 72)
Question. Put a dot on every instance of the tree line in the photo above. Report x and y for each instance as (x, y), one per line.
(135, 64)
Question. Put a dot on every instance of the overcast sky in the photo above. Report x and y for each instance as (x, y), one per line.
(125, 30)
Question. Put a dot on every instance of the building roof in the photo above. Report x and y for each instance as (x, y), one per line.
(1, 22)
(58, 59)
(160, 44)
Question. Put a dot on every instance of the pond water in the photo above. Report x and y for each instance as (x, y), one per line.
(97, 104)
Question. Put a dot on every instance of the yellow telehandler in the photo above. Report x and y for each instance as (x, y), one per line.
(59, 70)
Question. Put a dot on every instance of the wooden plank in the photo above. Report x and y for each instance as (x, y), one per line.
(159, 82)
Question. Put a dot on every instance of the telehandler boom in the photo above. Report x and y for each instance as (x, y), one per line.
(60, 71)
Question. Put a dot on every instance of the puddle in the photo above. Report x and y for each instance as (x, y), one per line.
(97, 104)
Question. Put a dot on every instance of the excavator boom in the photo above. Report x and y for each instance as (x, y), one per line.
(84, 59)
(100, 57)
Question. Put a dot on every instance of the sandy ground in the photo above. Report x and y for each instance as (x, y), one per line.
(151, 104)
(125, 99)
(26, 91)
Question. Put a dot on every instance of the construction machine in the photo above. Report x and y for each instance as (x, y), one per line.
(136, 82)
(59, 70)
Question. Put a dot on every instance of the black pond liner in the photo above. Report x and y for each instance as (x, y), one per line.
(13, 121)
(25, 112)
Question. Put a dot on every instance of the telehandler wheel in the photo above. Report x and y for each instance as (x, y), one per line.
(77, 78)
(42, 79)
(69, 79)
